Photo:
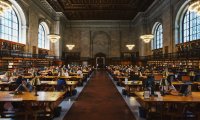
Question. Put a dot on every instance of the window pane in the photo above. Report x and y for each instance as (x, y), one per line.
(9, 26)
(41, 36)
(191, 26)
(158, 37)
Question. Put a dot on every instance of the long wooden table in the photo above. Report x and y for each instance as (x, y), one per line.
(164, 105)
(30, 104)
(194, 98)
(132, 86)
(29, 96)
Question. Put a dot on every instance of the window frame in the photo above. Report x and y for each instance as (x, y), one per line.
(157, 41)
(191, 33)
(7, 22)
(45, 42)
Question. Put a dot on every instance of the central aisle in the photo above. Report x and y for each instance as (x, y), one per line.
(100, 100)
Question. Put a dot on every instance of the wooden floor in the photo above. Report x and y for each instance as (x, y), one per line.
(100, 100)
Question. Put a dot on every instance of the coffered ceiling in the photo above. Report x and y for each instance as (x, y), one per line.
(100, 9)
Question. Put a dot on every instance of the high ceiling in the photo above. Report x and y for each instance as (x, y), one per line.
(100, 9)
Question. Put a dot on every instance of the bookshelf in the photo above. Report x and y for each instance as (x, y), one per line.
(175, 63)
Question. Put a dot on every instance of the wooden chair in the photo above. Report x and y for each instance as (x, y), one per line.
(185, 78)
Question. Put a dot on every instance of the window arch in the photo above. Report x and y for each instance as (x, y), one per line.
(190, 27)
(13, 24)
(43, 31)
(158, 36)
(9, 26)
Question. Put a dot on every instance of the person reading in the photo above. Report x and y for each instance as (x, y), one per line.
(24, 86)
(150, 84)
(167, 87)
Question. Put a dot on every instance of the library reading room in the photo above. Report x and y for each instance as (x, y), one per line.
(99, 59)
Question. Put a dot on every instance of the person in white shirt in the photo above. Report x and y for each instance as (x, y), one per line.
(7, 77)
(168, 87)
(117, 72)
(61, 72)
(79, 72)
(66, 73)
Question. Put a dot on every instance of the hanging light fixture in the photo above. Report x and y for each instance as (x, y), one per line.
(130, 46)
(70, 46)
(4, 5)
(146, 38)
(194, 7)
(53, 37)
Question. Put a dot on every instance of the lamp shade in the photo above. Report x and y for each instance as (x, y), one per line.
(130, 46)
(70, 46)
(146, 38)
(53, 37)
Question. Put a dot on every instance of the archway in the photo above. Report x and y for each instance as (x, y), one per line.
(100, 60)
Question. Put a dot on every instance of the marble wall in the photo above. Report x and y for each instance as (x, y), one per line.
(92, 37)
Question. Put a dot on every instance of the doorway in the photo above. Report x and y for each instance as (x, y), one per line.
(100, 60)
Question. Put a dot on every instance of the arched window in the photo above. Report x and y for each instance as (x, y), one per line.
(158, 36)
(13, 24)
(43, 31)
(191, 27)
(9, 26)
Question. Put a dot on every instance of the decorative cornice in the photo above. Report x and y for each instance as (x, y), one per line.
(45, 6)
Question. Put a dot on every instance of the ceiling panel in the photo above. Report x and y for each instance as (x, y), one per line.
(100, 9)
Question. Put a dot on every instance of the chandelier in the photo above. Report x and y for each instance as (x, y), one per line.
(70, 46)
(130, 46)
(146, 38)
(4, 5)
(53, 37)
(194, 7)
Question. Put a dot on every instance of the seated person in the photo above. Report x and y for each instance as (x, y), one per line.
(24, 86)
(38, 72)
(36, 81)
(171, 77)
(49, 73)
(79, 72)
(185, 89)
(197, 78)
(61, 83)
(168, 87)
(7, 77)
(149, 83)
(134, 76)
(66, 73)
(117, 72)
(19, 80)
(61, 72)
